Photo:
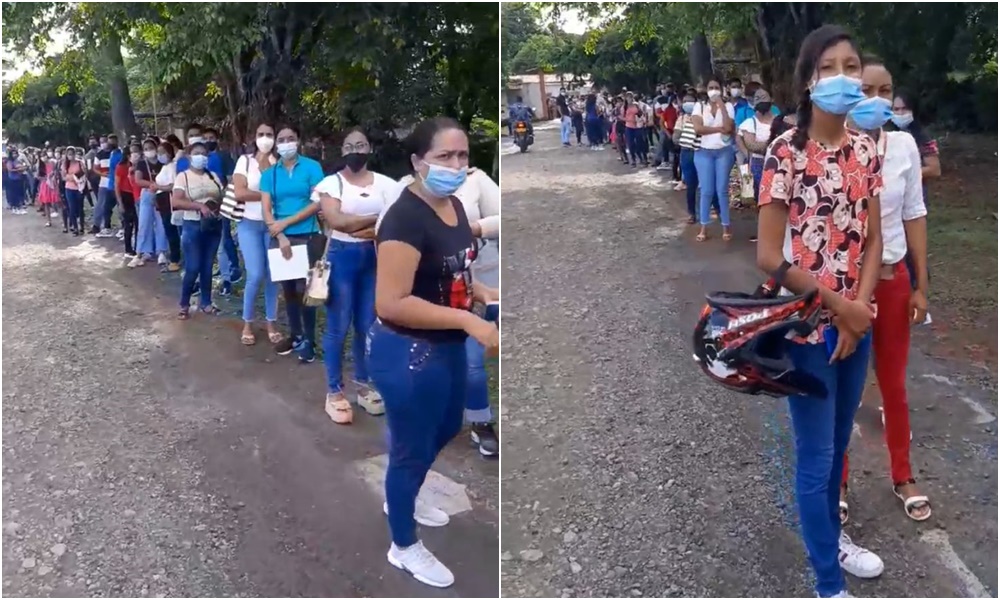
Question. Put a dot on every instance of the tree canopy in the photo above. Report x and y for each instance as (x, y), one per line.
(945, 52)
(327, 66)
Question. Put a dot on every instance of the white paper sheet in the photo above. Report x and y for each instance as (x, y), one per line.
(296, 267)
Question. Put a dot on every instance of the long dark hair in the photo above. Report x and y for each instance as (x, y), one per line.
(916, 129)
(813, 46)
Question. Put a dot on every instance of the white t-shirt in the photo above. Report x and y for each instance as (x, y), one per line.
(247, 166)
(902, 197)
(167, 174)
(713, 141)
(761, 130)
(362, 201)
(479, 195)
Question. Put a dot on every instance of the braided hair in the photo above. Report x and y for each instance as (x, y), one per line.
(813, 47)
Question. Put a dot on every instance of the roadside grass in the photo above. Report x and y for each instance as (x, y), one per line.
(962, 240)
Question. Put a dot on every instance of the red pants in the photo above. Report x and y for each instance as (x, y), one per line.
(891, 348)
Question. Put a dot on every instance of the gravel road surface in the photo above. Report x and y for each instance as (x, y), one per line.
(143, 456)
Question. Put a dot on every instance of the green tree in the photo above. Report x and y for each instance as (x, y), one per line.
(518, 22)
(45, 106)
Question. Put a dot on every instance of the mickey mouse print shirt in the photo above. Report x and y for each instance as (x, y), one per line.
(444, 273)
(827, 191)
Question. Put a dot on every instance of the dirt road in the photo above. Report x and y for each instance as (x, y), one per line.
(627, 473)
(143, 456)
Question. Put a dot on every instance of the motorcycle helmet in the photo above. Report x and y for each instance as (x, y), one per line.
(740, 341)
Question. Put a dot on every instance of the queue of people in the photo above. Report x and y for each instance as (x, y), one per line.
(841, 231)
(399, 260)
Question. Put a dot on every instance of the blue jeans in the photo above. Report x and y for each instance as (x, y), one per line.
(351, 298)
(74, 204)
(423, 386)
(690, 177)
(104, 196)
(477, 401)
(714, 167)
(152, 238)
(635, 138)
(254, 239)
(199, 255)
(595, 133)
(757, 170)
(565, 129)
(229, 258)
(822, 428)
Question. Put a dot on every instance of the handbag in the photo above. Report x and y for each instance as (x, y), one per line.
(232, 208)
(746, 183)
(318, 282)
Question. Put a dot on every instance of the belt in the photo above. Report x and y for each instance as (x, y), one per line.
(889, 271)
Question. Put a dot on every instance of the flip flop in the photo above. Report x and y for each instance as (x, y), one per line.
(275, 337)
(913, 502)
(726, 237)
(248, 340)
(701, 237)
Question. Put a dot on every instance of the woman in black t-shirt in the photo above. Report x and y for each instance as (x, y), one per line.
(416, 349)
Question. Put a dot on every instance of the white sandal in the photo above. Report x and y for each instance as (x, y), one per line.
(913, 502)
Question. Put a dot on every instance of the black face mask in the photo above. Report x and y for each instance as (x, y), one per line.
(356, 161)
(212, 146)
(94, 145)
(763, 107)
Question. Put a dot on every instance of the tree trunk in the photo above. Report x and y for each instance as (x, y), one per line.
(701, 60)
(781, 27)
(122, 116)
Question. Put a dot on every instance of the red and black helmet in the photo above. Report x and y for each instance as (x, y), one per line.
(740, 341)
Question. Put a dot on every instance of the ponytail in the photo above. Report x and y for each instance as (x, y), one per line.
(803, 116)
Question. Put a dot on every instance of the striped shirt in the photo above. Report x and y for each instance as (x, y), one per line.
(689, 139)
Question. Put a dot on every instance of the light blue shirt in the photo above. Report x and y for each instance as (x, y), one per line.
(290, 191)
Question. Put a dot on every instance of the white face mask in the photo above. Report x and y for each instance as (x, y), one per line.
(150, 154)
(735, 92)
(713, 94)
(265, 143)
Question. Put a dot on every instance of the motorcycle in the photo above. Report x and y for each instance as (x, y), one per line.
(522, 139)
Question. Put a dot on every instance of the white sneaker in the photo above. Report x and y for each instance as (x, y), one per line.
(105, 233)
(54, 214)
(136, 261)
(425, 514)
(162, 259)
(857, 561)
(120, 234)
(419, 562)
(371, 401)
(842, 594)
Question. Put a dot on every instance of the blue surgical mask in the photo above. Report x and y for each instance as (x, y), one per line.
(903, 121)
(687, 107)
(288, 150)
(871, 113)
(199, 161)
(163, 158)
(443, 181)
(836, 95)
